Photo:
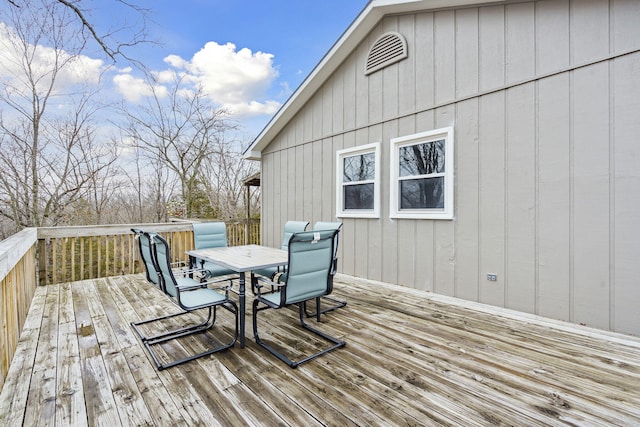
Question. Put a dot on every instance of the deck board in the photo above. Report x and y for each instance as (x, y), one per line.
(412, 358)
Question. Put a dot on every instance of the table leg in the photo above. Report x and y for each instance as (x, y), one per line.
(241, 297)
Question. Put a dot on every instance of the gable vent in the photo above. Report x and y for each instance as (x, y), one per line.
(388, 49)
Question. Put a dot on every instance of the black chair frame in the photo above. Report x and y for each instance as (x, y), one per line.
(294, 364)
(151, 341)
(267, 304)
(336, 303)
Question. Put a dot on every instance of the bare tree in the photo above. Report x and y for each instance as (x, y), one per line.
(150, 186)
(102, 188)
(223, 177)
(181, 128)
(48, 145)
(113, 42)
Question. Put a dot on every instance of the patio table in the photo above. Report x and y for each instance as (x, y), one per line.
(242, 259)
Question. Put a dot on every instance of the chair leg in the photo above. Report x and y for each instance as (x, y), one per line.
(337, 304)
(293, 364)
(149, 342)
(175, 333)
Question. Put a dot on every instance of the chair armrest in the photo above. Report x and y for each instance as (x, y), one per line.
(197, 285)
(256, 286)
(334, 266)
(184, 271)
(178, 264)
(220, 280)
(201, 285)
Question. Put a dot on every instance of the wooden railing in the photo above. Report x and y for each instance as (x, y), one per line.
(17, 287)
(67, 254)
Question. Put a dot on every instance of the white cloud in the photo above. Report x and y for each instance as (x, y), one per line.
(231, 76)
(237, 80)
(175, 61)
(166, 76)
(133, 88)
(253, 108)
(76, 70)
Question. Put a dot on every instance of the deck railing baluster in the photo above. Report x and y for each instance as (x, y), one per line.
(90, 252)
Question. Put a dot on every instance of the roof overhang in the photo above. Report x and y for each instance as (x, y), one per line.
(368, 18)
(252, 181)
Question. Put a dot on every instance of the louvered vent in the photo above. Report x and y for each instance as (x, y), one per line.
(390, 48)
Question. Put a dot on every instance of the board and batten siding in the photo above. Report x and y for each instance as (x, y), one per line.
(544, 97)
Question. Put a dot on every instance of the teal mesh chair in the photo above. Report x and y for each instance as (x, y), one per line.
(210, 235)
(290, 228)
(333, 303)
(309, 276)
(144, 247)
(189, 295)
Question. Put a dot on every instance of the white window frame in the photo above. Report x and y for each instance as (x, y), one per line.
(341, 212)
(420, 138)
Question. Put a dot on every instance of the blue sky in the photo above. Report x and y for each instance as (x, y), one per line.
(296, 32)
(259, 51)
(248, 56)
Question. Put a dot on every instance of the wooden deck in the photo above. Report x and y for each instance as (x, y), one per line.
(411, 358)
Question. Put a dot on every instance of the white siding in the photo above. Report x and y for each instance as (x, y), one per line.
(544, 97)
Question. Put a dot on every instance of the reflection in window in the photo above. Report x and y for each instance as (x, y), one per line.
(425, 193)
(421, 168)
(422, 159)
(359, 168)
(422, 175)
(357, 182)
(358, 196)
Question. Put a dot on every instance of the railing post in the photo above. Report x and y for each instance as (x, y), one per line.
(42, 262)
(248, 228)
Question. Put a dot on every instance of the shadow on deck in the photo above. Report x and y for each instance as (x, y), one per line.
(412, 358)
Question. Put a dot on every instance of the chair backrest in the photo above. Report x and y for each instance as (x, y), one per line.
(310, 266)
(144, 246)
(290, 228)
(162, 262)
(326, 225)
(209, 235)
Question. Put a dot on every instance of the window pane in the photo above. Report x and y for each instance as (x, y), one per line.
(427, 193)
(422, 159)
(359, 168)
(358, 196)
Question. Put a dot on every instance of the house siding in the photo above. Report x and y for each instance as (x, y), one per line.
(544, 97)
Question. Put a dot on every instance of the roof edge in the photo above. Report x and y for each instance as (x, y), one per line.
(361, 26)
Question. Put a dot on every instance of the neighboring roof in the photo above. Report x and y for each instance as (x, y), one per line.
(372, 13)
(252, 181)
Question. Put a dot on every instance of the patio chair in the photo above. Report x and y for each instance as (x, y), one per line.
(189, 295)
(290, 228)
(144, 247)
(309, 276)
(210, 235)
(323, 225)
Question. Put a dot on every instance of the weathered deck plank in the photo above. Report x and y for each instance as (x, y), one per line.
(411, 359)
(97, 391)
(43, 379)
(70, 407)
(14, 399)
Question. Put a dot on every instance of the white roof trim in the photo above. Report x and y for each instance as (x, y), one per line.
(373, 12)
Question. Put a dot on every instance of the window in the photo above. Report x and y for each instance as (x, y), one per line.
(422, 175)
(358, 182)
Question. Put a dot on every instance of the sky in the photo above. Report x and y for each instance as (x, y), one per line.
(249, 55)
